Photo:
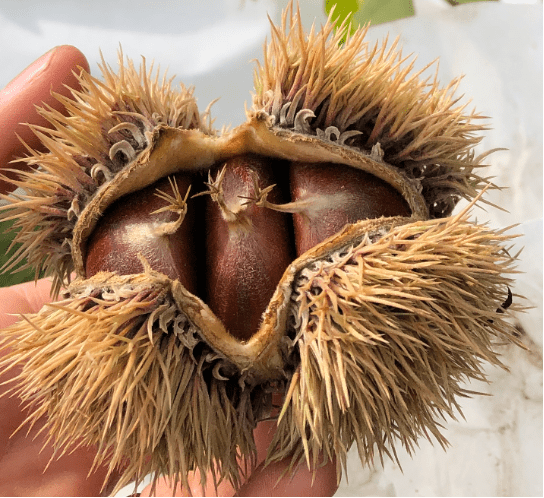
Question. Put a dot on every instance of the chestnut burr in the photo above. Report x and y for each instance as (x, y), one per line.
(343, 283)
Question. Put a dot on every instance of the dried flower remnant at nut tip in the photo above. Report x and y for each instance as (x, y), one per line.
(370, 328)
(154, 223)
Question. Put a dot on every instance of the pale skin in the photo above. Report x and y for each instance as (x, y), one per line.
(23, 456)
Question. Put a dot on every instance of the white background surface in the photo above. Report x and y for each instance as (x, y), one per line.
(497, 449)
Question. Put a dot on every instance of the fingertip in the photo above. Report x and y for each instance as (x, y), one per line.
(52, 72)
(68, 58)
(275, 480)
(37, 293)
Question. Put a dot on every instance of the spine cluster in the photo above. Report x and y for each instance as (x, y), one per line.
(368, 97)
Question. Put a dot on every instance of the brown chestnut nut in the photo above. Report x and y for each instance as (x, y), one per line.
(154, 223)
(247, 248)
(332, 195)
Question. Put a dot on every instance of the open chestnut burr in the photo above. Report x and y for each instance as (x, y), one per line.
(311, 251)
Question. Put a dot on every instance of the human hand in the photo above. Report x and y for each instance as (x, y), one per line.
(269, 480)
(22, 459)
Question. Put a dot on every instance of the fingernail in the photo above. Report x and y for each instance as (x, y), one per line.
(27, 75)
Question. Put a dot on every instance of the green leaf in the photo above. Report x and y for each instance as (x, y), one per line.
(343, 11)
(380, 11)
(361, 12)
(342, 8)
(14, 276)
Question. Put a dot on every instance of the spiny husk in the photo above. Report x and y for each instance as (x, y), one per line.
(366, 97)
(388, 330)
(377, 327)
(382, 333)
(110, 122)
(119, 366)
(359, 96)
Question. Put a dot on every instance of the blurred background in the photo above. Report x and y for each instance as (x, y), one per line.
(496, 450)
